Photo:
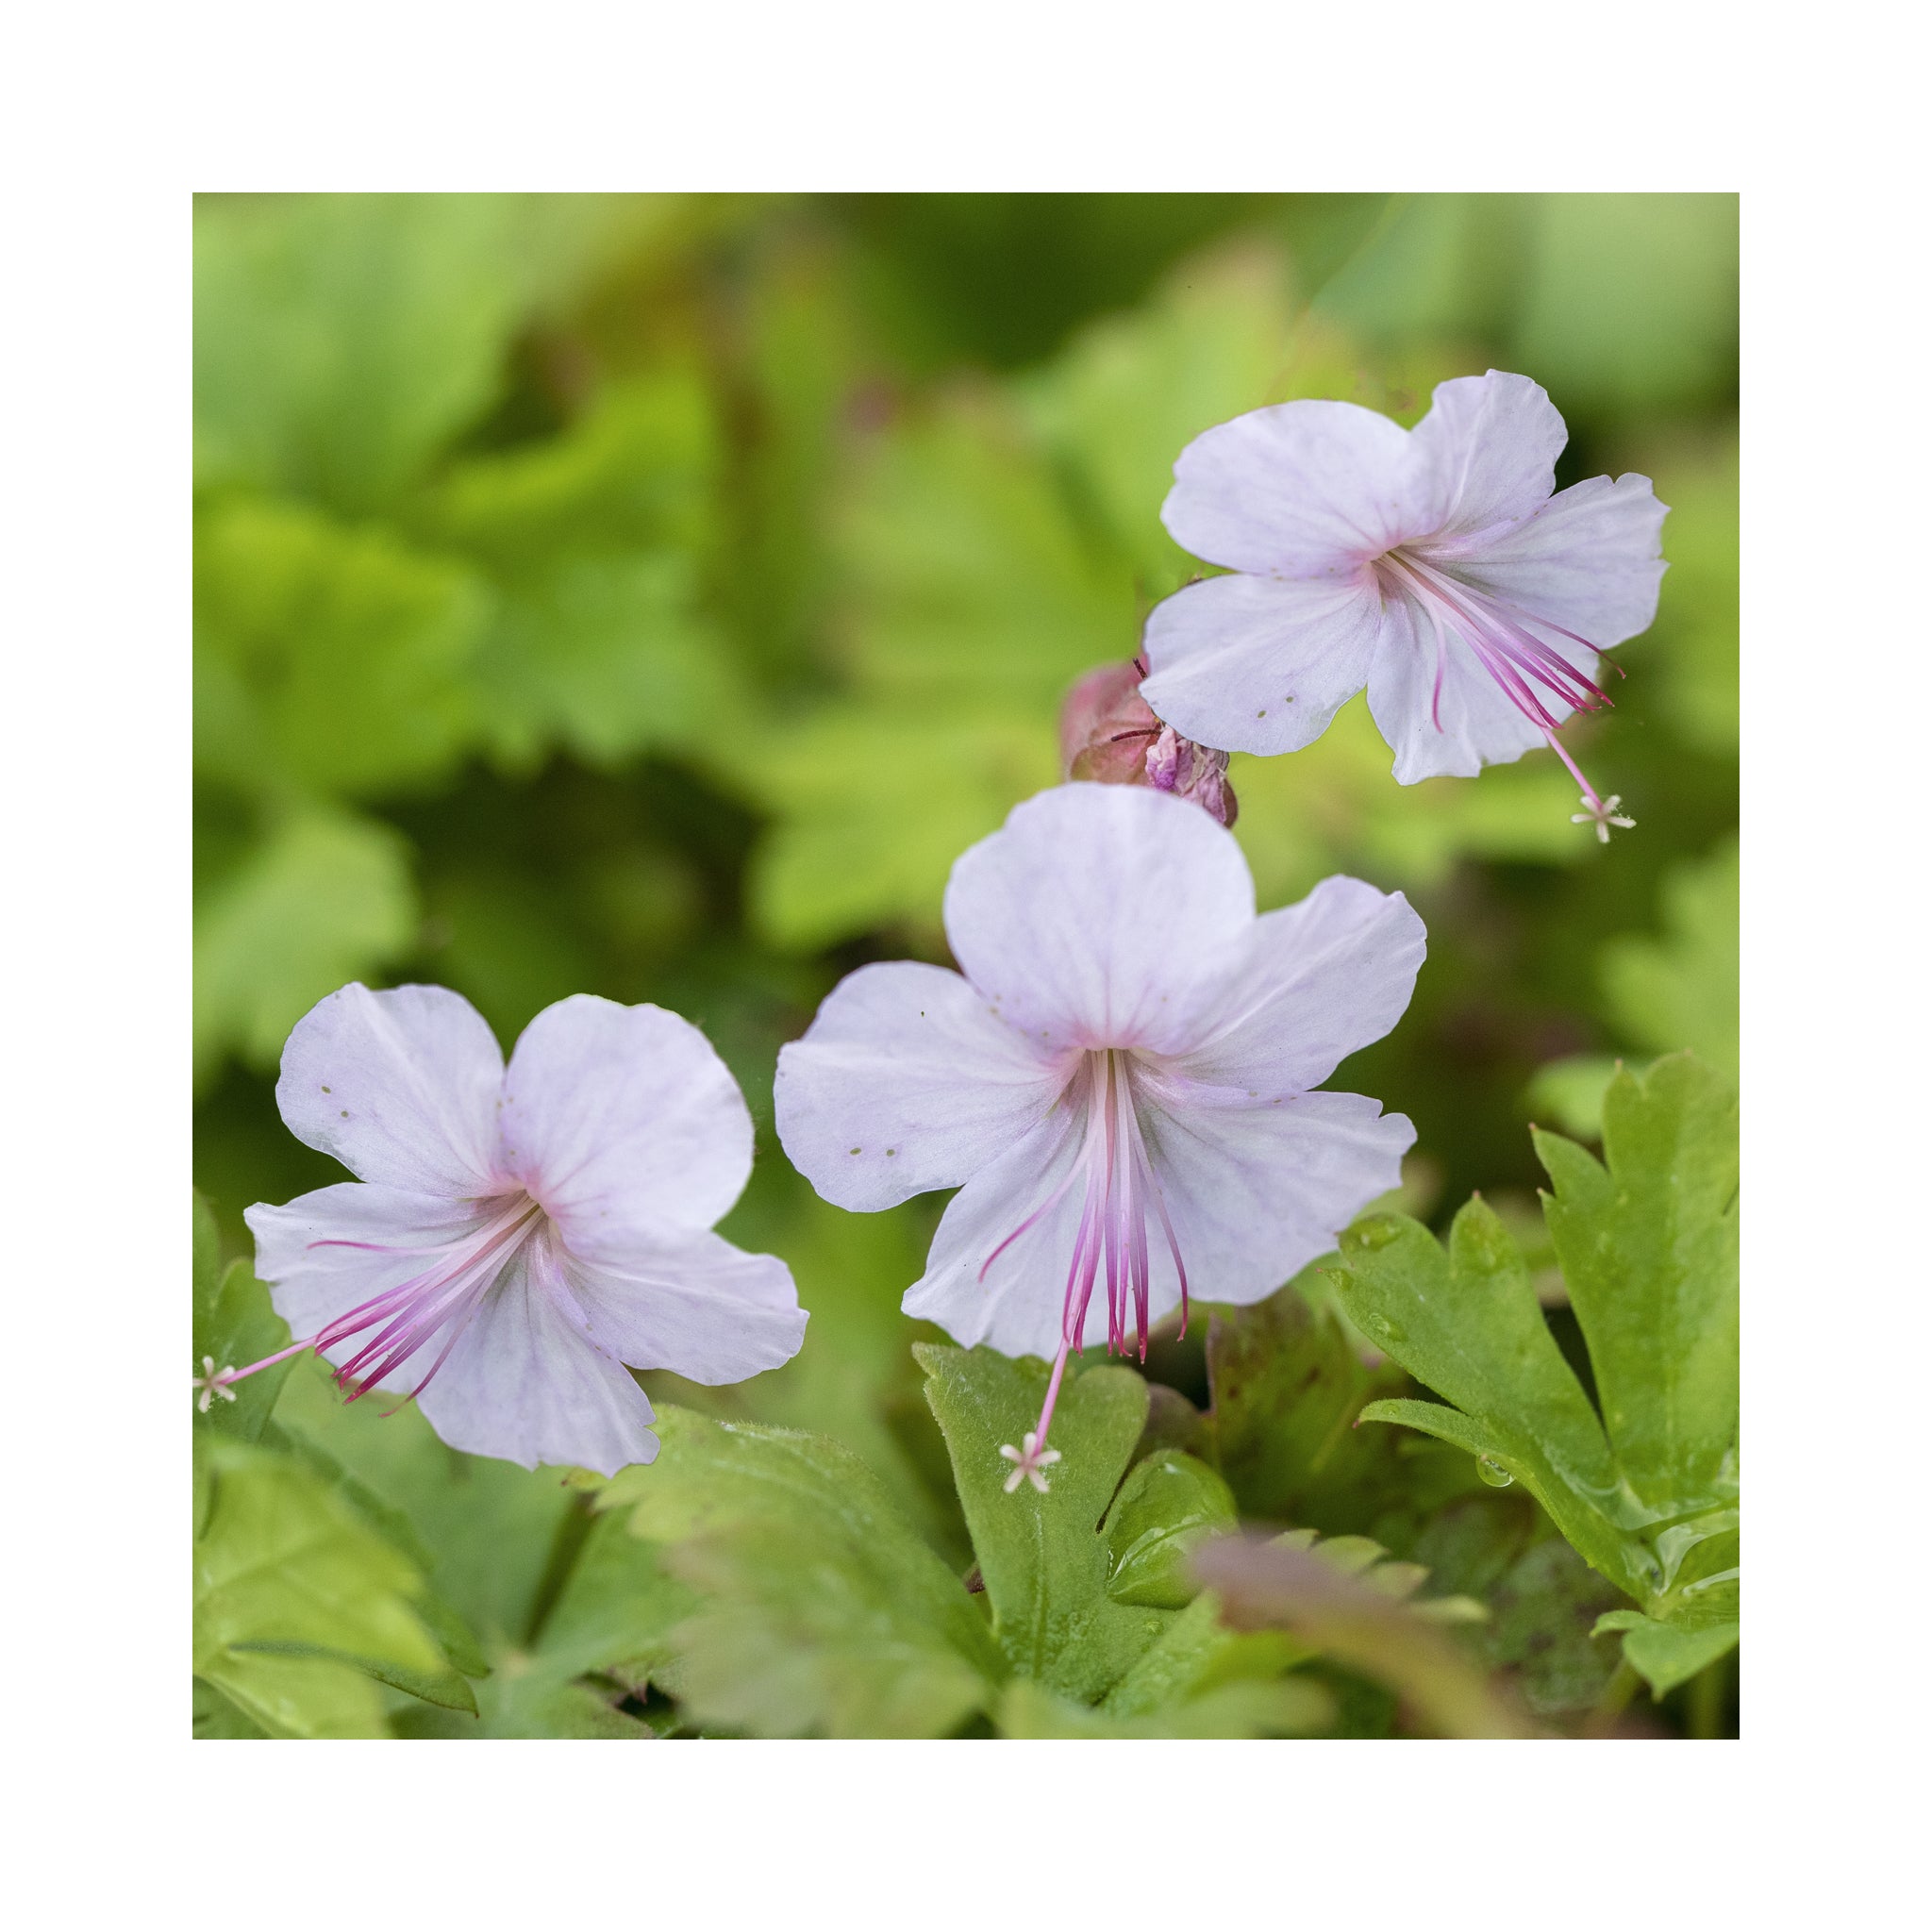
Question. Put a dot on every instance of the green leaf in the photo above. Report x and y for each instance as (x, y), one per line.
(325, 898)
(340, 340)
(300, 1608)
(1570, 1091)
(1248, 1710)
(606, 657)
(636, 472)
(1044, 1561)
(1681, 992)
(328, 657)
(822, 1611)
(1649, 1248)
(235, 1324)
(1647, 1242)
(1167, 1504)
(1667, 1655)
(1467, 1324)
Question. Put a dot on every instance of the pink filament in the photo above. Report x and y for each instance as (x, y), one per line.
(1111, 1238)
(1502, 644)
(410, 1315)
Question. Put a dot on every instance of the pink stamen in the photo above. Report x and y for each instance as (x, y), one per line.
(410, 1315)
(1111, 1235)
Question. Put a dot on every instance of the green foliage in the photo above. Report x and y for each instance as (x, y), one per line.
(1167, 1506)
(653, 595)
(341, 339)
(300, 1609)
(1648, 1248)
(822, 1612)
(324, 899)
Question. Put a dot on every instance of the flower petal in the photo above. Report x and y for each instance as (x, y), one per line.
(1589, 560)
(1307, 490)
(399, 1086)
(332, 1250)
(1260, 664)
(1099, 915)
(696, 1305)
(531, 1381)
(624, 1123)
(1017, 1307)
(1258, 1192)
(1454, 728)
(1320, 981)
(1485, 453)
(906, 1080)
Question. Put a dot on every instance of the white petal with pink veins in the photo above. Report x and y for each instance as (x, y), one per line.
(1590, 560)
(328, 1253)
(1318, 981)
(1257, 1191)
(1100, 914)
(1303, 489)
(531, 1381)
(1485, 453)
(904, 1081)
(696, 1305)
(399, 1086)
(1260, 664)
(624, 1123)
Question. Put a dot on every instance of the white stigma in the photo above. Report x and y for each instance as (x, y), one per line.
(1603, 814)
(213, 1382)
(1028, 1462)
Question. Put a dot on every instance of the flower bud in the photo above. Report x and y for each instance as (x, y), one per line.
(1109, 735)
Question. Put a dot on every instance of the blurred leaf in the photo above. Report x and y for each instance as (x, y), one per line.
(1250, 1709)
(636, 472)
(327, 657)
(1648, 1248)
(1682, 990)
(324, 899)
(822, 1612)
(487, 1526)
(876, 806)
(1350, 1620)
(1044, 1563)
(1542, 1612)
(340, 340)
(1570, 1091)
(298, 1606)
(1631, 300)
(234, 1325)
(1169, 1503)
(1692, 651)
(1667, 1655)
(605, 657)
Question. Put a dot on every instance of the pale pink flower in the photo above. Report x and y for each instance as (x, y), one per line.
(1118, 1080)
(1431, 565)
(519, 1235)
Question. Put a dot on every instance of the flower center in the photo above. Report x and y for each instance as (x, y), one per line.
(1120, 1193)
(439, 1299)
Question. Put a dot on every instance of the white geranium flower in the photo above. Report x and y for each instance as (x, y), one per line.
(1118, 1080)
(519, 1235)
(1433, 566)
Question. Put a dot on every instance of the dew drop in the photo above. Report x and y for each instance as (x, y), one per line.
(1493, 1472)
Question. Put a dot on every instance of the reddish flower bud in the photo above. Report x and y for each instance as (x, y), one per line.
(1110, 736)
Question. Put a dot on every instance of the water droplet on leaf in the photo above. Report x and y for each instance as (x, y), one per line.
(1493, 1472)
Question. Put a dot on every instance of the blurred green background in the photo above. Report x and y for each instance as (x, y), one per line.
(653, 595)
